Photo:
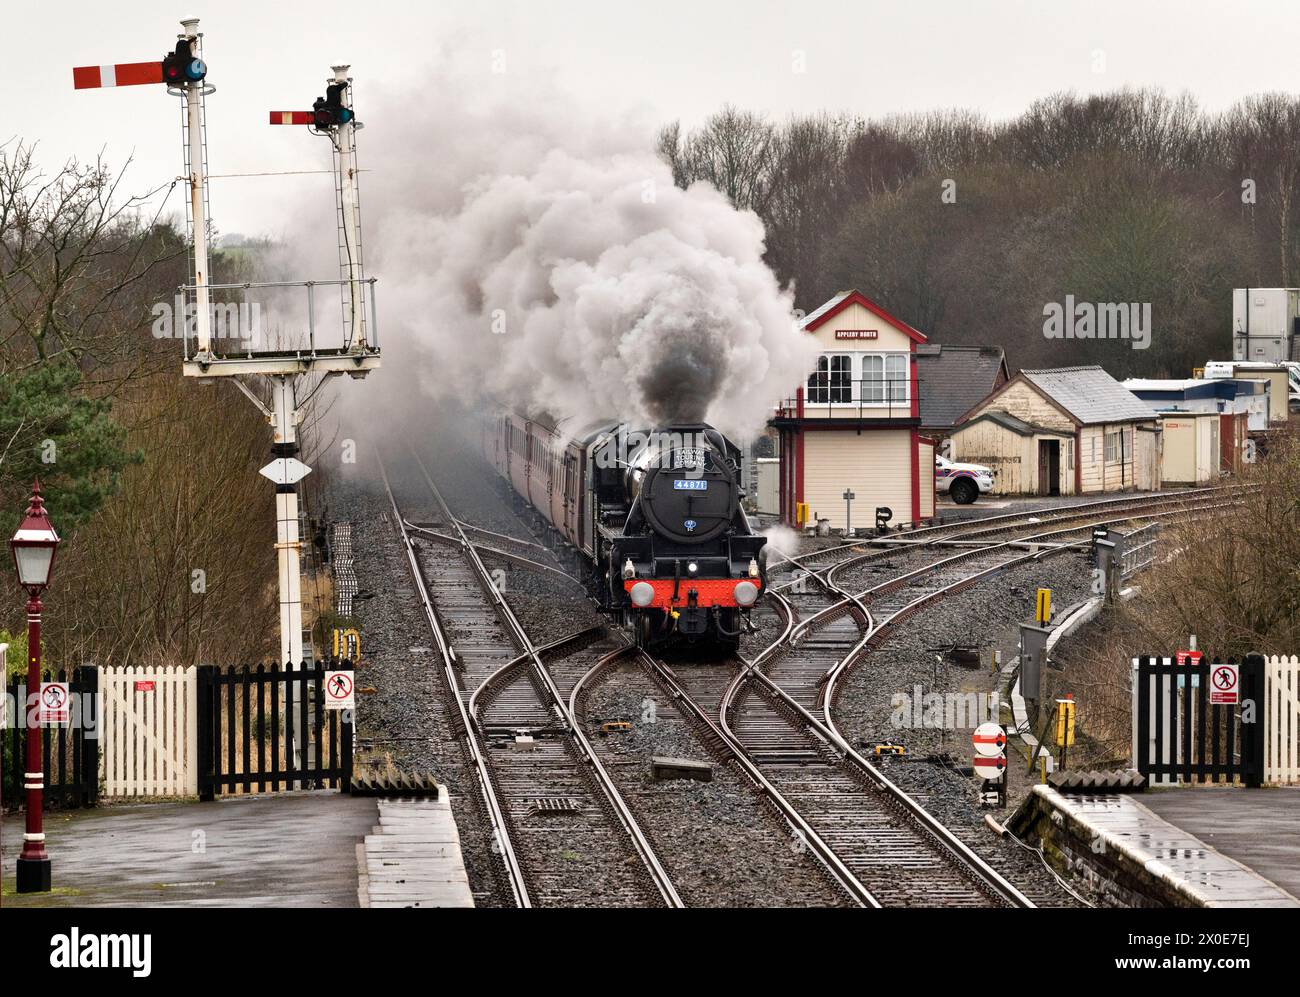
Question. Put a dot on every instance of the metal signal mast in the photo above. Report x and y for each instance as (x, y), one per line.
(287, 364)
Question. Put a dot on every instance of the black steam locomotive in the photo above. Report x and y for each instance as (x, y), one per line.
(656, 515)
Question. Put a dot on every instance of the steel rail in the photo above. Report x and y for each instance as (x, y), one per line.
(645, 851)
(727, 744)
(516, 882)
(491, 551)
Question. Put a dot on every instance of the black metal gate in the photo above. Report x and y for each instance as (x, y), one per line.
(69, 751)
(246, 717)
(1182, 734)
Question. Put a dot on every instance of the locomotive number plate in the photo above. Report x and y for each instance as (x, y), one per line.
(690, 485)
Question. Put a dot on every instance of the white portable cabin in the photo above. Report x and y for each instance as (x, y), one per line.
(1191, 448)
(1265, 321)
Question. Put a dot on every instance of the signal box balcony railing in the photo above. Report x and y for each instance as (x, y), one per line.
(279, 327)
(868, 399)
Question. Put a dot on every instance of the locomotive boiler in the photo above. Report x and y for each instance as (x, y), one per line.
(655, 514)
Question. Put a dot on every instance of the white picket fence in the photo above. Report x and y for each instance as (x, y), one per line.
(150, 731)
(1282, 720)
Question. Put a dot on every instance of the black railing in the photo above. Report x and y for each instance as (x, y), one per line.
(1183, 733)
(69, 751)
(246, 717)
(889, 398)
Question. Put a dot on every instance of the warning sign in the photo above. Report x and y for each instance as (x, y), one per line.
(53, 707)
(1189, 657)
(339, 691)
(990, 768)
(989, 739)
(1225, 685)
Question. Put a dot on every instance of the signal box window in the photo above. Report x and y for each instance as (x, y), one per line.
(832, 381)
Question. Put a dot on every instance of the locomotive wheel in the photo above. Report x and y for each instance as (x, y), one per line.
(642, 629)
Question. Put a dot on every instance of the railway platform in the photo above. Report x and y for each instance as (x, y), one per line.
(1189, 847)
(287, 850)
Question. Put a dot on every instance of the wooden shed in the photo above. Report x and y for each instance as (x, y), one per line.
(1066, 431)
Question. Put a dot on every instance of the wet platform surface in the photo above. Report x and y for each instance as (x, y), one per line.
(1258, 827)
(1205, 869)
(289, 850)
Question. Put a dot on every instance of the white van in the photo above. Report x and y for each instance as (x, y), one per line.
(1215, 369)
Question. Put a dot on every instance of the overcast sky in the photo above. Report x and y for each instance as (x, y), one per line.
(655, 61)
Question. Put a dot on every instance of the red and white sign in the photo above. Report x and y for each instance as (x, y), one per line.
(53, 707)
(144, 685)
(989, 739)
(857, 333)
(1189, 657)
(339, 691)
(990, 767)
(1225, 685)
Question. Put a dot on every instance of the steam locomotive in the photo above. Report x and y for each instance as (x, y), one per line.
(655, 516)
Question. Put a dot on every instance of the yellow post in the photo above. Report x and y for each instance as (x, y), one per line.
(349, 641)
(1065, 721)
(1043, 611)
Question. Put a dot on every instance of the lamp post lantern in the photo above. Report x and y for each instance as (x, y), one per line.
(34, 547)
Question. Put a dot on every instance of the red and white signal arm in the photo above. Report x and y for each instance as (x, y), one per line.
(1189, 657)
(1225, 685)
(990, 767)
(989, 740)
(120, 74)
(340, 694)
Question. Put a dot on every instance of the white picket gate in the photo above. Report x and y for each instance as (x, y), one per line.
(150, 731)
(1282, 720)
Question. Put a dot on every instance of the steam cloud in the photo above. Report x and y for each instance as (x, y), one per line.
(529, 259)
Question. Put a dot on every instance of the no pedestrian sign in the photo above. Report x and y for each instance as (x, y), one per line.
(1225, 685)
(339, 691)
(53, 707)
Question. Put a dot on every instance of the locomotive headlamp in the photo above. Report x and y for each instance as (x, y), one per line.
(753, 567)
(746, 593)
(629, 569)
(642, 594)
(692, 567)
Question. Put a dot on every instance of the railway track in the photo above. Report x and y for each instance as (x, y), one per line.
(549, 796)
(780, 707)
(1019, 527)
(561, 830)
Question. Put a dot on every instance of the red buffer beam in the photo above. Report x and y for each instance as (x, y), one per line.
(292, 117)
(122, 74)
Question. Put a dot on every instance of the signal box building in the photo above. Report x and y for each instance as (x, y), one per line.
(855, 425)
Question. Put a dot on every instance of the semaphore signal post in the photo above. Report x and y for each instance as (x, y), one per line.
(295, 366)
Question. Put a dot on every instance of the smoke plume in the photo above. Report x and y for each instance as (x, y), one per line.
(533, 258)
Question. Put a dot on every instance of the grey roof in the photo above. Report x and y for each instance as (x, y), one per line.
(952, 379)
(1090, 394)
(822, 309)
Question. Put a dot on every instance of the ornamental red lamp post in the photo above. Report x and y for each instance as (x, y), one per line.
(34, 546)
